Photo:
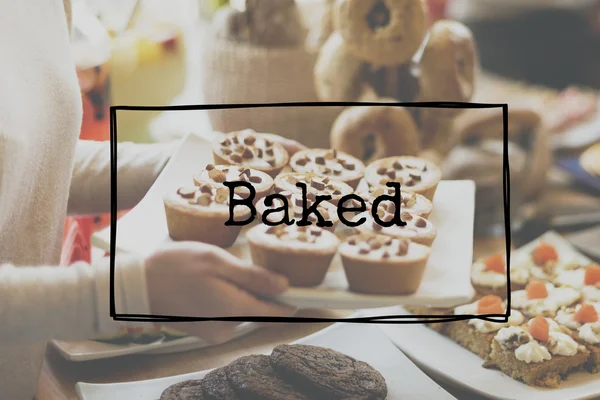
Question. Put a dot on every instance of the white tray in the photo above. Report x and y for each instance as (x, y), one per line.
(446, 280)
(445, 360)
(92, 350)
(364, 342)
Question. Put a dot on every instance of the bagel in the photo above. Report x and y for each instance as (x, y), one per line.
(448, 64)
(400, 82)
(437, 132)
(337, 73)
(372, 132)
(488, 122)
(382, 32)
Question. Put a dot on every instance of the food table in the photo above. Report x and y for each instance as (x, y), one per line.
(59, 376)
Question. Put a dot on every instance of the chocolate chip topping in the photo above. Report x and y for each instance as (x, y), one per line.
(410, 182)
(255, 179)
(268, 142)
(349, 166)
(187, 192)
(259, 153)
(363, 249)
(405, 216)
(337, 170)
(416, 177)
(210, 167)
(236, 158)
(397, 165)
(250, 139)
(374, 243)
(385, 255)
(246, 172)
(226, 150)
(320, 160)
(420, 223)
(269, 152)
(315, 231)
(311, 196)
(391, 173)
(225, 142)
(381, 170)
(301, 161)
(235, 140)
(317, 184)
(402, 248)
(352, 241)
(247, 153)
(205, 188)
(271, 162)
(239, 148)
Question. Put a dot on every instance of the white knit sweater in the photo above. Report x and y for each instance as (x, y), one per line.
(45, 173)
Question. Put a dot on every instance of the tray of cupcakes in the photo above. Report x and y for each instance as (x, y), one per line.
(346, 255)
(550, 344)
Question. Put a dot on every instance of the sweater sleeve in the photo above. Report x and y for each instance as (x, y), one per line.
(138, 166)
(69, 303)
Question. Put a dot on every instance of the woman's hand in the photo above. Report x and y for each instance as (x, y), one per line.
(200, 280)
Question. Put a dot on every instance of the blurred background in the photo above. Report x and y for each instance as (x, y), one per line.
(542, 52)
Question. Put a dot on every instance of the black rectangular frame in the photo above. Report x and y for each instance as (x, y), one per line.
(384, 319)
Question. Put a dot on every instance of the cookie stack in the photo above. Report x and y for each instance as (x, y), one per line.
(291, 372)
(554, 324)
(389, 249)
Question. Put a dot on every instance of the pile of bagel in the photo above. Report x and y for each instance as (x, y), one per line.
(388, 51)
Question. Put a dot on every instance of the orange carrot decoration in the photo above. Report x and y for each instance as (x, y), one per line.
(536, 290)
(490, 305)
(495, 263)
(586, 313)
(543, 253)
(592, 274)
(540, 329)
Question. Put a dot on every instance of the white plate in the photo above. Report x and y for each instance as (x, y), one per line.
(442, 358)
(92, 350)
(446, 280)
(364, 342)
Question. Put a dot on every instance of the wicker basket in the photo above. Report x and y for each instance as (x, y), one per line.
(235, 73)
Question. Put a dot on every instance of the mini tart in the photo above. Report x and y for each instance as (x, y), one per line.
(489, 281)
(537, 363)
(546, 306)
(576, 278)
(315, 186)
(588, 332)
(294, 201)
(301, 253)
(476, 335)
(417, 229)
(199, 214)
(413, 203)
(415, 174)
(377, 264)
(216, 175)
(252, 150)
(331, 163)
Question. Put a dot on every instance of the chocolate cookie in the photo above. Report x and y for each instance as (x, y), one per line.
(331, 374)
(216, 386)
(186, 390)
(253, 377)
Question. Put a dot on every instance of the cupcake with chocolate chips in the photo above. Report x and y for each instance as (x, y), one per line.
(295, 209)
(301, 253)
(315, 186)
(330, 163)
(199, 213)
(417, 228)
(378, 264)
(217, 175)
(413, 203)
(252, 150)
(414, 174)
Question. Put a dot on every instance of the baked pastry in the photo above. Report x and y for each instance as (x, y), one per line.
(378, 264)
(253, 377)
(337, 72)
(590, 160)
(448, 64)
(539, 353)
(300, 253)
(295, 210)
(217, 175)
(215, 386)
(584, 323)
(382, 32)
(476, 335)
(488, 276)
(544, 261)
(251, 150)
(330, 163)
(415, 174)
(412, 203)
(586, 279)
(374, 132)
(200, 213)
(329, 374)
(543, 299)
(417, 229)
(186, 390)
(315, 186)
(440, 326)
